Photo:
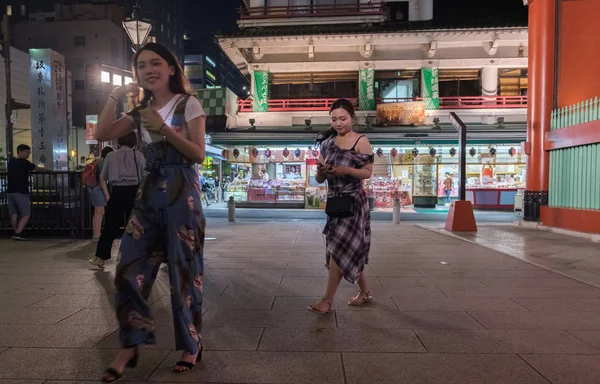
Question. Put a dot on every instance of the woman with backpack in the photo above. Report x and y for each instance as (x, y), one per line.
(98, 197)
(123, 169)
(167, 223)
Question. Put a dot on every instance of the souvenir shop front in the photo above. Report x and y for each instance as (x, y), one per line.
(419, 176)
(272, 178)
(284, 177)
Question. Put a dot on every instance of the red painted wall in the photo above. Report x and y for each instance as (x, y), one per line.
(579, 51)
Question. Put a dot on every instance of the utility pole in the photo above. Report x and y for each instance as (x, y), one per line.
(9, 101)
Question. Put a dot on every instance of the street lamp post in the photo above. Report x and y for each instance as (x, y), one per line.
(137, 29)
(9, 102)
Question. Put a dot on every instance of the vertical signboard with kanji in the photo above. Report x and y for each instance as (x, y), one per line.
(261, 91)
(366, 91)
(91, 122)
(430, 87)
(49, 130)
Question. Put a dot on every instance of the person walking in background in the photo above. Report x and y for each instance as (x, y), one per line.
(167, 223)
(123, 170)
(448, 185)
(346, 159)
(203, 189)
(17, 193)
(98, 197)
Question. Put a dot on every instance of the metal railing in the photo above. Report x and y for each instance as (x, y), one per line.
(460, 102)
(59, 205)
(314, 10)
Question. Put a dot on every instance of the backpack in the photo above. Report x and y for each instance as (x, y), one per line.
(89, 176)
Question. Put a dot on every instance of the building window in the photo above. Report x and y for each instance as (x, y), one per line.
(23, 10)
(399, 85)
(79, 85)
(398, 11)
(459, 82)
(105, 77)
(127, 80)
(513, 82)
(210, 61)
(79, 41)
(78, 63)
(211, 75)
(117, 80)
(314, 85)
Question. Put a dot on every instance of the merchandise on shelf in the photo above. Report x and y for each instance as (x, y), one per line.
(384, 190)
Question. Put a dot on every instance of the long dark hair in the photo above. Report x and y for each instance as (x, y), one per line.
(339, 103)
(178, 83)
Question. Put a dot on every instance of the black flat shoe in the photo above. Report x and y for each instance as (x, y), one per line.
(188, 366)
(111, 375)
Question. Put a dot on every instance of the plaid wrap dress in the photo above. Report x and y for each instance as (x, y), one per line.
(348, 240)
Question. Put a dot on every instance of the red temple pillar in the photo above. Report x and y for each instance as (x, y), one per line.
(542, 36)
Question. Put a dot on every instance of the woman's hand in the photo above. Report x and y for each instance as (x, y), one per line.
(151, 120)
(340, 171)
(123, 90)
(323, 169)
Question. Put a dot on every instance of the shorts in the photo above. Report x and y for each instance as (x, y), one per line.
(18, 204)
(97, 197)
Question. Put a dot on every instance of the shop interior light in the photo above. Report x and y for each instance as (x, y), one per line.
(128, 80)
(105, 77)
(117, 80)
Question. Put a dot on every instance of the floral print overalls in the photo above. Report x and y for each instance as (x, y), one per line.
(166, 226)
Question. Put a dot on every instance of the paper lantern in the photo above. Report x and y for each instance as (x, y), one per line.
(315, 153)
(472, 152)
(512, 151)
(236, 153)
(267, 153)
(286, 152)
(379, 152)
(254, 152)
(225, 153)
(493, 151)
(415, 152)
(432, 152)
(394, 152)
(297, 152)
(452, 152)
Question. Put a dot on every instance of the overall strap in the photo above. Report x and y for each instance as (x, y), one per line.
(357, 140)
(180, 108)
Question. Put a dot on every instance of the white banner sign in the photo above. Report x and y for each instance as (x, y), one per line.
(49, 131)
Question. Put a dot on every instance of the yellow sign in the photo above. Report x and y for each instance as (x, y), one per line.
(412, 113)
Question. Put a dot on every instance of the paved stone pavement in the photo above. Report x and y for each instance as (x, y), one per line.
(445, 311)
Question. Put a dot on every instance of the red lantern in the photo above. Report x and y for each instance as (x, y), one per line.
(512, 151)
(286, 152)
(268, 153)
(225, 153)
(394, 152)
(315, 153)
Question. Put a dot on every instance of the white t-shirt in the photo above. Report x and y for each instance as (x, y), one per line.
(193, 110)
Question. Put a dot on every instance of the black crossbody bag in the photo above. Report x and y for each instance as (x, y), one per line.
(340, 206)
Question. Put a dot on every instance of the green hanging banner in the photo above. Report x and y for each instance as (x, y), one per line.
(366, 91)
(430, 88)
(261, 91)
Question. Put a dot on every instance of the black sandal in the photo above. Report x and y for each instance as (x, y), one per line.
(114, 375)
(188, 366)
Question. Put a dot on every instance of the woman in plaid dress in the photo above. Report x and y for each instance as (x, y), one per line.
(346, 159)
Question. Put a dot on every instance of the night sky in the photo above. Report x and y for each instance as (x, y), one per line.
(219, 16)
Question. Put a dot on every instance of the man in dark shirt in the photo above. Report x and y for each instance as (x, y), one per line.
(18, 189)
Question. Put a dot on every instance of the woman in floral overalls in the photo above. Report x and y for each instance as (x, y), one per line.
(167, 223)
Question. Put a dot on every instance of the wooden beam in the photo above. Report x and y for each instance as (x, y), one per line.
(574, 136)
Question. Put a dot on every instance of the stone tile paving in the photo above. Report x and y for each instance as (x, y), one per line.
(445, 311)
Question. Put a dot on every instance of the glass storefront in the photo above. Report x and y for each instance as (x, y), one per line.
(418, 175)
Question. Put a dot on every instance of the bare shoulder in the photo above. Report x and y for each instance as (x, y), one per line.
(364, 146)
